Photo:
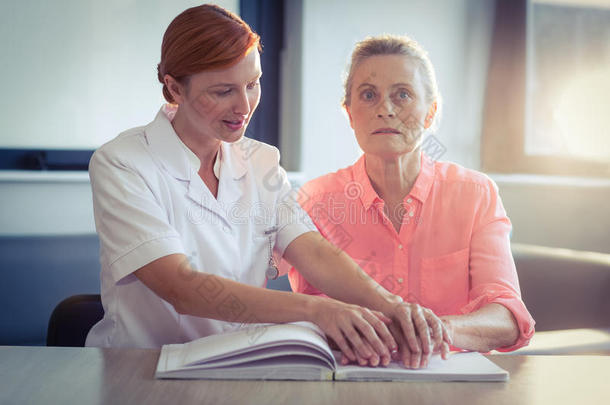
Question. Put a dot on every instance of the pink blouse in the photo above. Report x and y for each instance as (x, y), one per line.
(452, 253)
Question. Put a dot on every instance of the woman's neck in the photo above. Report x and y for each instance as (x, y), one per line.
(204, 147)
(392, 178)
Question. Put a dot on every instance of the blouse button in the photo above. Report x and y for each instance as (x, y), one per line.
(409, 201)
(399, 246)
(400, 280)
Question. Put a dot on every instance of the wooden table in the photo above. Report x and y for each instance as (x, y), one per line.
(56, 375)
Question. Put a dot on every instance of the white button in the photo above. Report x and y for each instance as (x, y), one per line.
(409, 201)
(399, 246)
(400, 280)
(411, 213)
(226, 229)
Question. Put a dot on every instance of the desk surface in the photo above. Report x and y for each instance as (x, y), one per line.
(56, 375)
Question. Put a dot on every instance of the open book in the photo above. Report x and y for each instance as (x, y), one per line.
(299, 351)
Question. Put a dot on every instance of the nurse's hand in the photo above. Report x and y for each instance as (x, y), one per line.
(361, 334)
(419, 333)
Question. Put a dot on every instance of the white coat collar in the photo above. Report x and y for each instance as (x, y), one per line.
(175, 156)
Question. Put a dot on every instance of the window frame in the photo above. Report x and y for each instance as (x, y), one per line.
(266, 19)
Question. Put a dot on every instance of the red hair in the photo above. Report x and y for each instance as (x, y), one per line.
(203, 38)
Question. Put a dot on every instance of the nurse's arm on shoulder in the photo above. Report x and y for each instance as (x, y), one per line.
(361, 334)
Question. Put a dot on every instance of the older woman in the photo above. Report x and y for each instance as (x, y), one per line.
(190, 214)
(434, 233)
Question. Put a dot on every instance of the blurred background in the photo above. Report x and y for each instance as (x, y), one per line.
(525, 87)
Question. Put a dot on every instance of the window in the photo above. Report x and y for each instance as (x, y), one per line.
(548, 87)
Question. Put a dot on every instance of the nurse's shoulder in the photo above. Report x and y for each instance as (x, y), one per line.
(128, 151)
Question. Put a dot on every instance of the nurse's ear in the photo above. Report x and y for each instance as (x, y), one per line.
(175, 88)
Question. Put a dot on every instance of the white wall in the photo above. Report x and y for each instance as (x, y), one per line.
(76, 73)
(45, 203)
(563, 212)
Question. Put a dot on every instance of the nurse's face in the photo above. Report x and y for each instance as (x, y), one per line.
(220, 103)
(388, 109)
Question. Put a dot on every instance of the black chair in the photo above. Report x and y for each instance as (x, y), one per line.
(72, 319)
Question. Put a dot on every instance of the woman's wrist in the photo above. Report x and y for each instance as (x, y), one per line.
(447, 321)
(311, 307)
(390, 302)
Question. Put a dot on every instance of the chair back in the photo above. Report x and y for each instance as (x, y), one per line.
(564, 289)
(72, 319)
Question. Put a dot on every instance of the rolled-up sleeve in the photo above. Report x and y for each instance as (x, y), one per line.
(132, 225)
(493, 277)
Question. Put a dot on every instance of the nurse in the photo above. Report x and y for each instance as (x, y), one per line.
(192, 216)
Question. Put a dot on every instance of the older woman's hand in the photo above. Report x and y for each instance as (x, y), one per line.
(419, 333)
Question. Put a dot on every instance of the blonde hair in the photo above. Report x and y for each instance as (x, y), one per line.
(395, 45)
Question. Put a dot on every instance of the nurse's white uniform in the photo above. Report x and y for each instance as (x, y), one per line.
(150, 202)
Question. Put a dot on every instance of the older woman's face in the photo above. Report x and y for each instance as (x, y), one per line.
(388, 109)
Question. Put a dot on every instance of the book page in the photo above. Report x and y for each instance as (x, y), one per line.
(250, 340)
(297, 354)
(469, 366)
(282, 368)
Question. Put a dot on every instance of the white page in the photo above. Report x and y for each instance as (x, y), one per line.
(267, 369)
(469, 366)
(298, 354)
(250, 339)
